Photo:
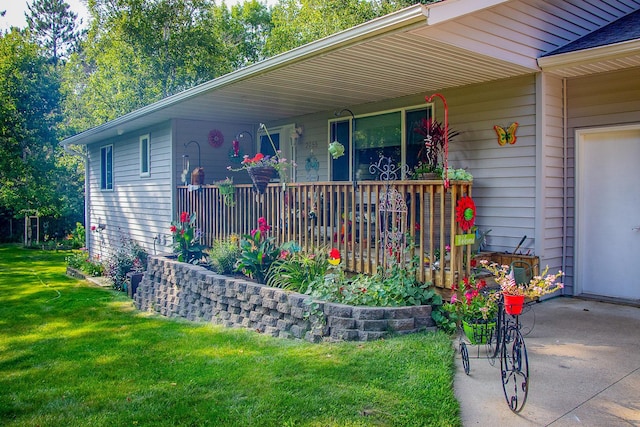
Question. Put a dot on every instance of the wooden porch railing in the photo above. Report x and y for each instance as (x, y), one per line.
(350, 218)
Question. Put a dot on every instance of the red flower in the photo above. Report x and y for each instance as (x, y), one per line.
(262, 225)
(93, 228)
(474, 263)
(254, 159)
(184, 217)
(173, 229)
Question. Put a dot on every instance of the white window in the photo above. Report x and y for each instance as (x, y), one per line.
(106, 167)
(145, 155)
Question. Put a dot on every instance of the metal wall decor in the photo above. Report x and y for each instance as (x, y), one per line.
(216, 139)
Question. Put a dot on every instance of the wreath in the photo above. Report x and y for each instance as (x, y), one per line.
(466, 213)
(215, 138)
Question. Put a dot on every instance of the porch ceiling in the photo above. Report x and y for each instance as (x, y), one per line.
(417, 50)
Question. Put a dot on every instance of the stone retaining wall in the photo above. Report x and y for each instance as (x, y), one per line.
(176, 289)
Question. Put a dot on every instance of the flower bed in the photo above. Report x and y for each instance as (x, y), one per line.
(176, 289)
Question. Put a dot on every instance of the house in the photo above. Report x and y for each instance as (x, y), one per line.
(567, 72)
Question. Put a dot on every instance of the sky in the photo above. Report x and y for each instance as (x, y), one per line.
(16, 9)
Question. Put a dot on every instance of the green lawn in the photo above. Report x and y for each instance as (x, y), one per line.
(72, 354)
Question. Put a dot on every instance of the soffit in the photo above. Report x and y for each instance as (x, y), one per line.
(361, 67)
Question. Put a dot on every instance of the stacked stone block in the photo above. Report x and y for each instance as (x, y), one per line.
(176, 289)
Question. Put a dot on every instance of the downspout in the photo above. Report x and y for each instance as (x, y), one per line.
(73, 152)
(565, 178)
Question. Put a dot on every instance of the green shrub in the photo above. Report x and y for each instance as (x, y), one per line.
(223, 255)
(128, 256)
(77, 236)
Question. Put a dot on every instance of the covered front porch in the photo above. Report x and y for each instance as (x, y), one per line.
(369, 222)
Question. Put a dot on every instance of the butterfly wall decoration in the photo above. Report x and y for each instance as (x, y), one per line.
(506, 135)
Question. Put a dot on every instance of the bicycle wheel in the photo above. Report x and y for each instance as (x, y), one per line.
(464, 352)
(514, 367)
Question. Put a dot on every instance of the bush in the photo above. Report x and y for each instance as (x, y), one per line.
(129, 256)
(223, 255)
(77, 236)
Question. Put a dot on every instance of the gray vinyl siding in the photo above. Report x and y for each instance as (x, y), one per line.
(596, 101)
(504, 187)
(137, 207)
(214, 160)
(504, 176)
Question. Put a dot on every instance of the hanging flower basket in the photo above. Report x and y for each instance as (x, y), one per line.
(261, 175)
(513, 304)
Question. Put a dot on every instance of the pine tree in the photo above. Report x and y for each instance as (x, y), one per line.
(54, 26)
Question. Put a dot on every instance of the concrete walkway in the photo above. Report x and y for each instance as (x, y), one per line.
(584, 365)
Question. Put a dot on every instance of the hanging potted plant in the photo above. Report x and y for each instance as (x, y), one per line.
(227, 191)
(262, 169)
(514, 294)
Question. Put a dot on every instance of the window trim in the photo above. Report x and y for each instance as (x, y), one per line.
(106, 184)
(145, 159)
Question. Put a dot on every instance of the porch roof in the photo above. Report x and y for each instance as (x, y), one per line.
(420, 49)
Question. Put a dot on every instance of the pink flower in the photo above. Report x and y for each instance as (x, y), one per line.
(184, 217)
(93, 228)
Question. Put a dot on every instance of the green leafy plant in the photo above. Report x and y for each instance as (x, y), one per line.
(257, 252)
(397, 286)
(77, 236)
(186, 239)
(80, 260)
(223, 255)
(296, 271)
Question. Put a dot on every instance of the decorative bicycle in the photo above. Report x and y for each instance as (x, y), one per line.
(502, 339)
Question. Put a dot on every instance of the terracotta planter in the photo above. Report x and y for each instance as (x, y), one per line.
(261, 176)
(478, 333)
(513, 304)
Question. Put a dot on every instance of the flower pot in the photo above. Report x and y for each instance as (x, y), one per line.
(261, 175)
(478, 333)
(513, 304)
(134, 279)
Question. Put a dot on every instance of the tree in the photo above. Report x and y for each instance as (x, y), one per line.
(29, 115)
(53, 25)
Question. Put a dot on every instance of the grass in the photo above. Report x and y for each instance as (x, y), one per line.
(76, 355)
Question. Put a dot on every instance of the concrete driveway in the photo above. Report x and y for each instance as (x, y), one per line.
(584, 365)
